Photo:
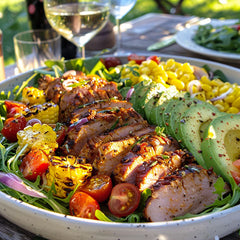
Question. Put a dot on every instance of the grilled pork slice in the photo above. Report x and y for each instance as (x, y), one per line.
(98, 123)
(148, 147)
(160, 166)
(111, 153)
(188, 190)
(90, 149)
(92, 90)
(98, 105)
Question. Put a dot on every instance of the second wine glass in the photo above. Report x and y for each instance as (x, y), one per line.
(119, 8)
(77, 20)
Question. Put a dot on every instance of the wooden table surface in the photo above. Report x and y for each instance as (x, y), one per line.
(137, 35)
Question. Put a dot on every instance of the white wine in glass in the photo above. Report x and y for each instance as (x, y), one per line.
(119, 8)
(76, 20)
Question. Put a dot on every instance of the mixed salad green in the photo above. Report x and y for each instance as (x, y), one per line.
(224, 38)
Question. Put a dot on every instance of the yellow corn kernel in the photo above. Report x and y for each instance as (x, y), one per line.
(229, 98)
(177, 83)
(206, 87)
(236, 103)
(210, 95)
(220, 107)
(171, 74)
(201, 96)
(224, 88)
(233, 110)
(46, 113)
(187, 68)
(32, 95)
(205, 80)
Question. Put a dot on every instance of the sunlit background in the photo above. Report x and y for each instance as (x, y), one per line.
(13, 16)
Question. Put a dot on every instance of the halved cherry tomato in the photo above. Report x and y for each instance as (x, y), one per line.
(154, 58)
(33, 164)
(61, 132)
(138, 59)
(83, 205)
(12, 126)
(237, 163)
(236, 177)
(99, 187)
(124, 199)
(111, 62)
(14, 107)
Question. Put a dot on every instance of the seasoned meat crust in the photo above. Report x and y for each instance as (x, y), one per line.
(189, 190)
(148, 147)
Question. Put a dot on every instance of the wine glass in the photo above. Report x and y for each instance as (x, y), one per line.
(119, 8)
(77, 20)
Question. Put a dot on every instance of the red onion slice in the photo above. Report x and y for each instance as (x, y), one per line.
(67, 84)
(222, 96)
(16, 183)
(79, 123)
(194, 83)
(33, 121)
(129, 93)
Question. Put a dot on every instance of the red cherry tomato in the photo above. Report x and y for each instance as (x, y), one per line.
(14, 107)
(237, 163)
(124, 199)
(33, 164)
(111, 62)
(154, 58)
(236, 177)
(12, 126)
(83, 205)
(138, 59)
(99, 187)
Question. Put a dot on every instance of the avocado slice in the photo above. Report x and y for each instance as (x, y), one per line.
(221, 145)
(135, 95)
(155, 89)
(183, 105)
(192, 125)
(157, 112)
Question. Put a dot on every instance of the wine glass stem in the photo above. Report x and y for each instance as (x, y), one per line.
(83, 52)
(119, 37)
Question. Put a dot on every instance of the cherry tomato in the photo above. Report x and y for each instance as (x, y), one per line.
(138, 59)
(154, 58)
(14, 107)
(237, 163)
(61, 132)
(124, 199)
(12, 126)
(33, 164)
(83, 205)
(236, 177)
(111, 62)
(99, 187)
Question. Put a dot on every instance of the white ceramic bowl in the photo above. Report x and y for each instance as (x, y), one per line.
(60, 227)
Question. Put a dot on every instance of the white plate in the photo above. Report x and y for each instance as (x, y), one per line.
(185, 39)
(60, 227)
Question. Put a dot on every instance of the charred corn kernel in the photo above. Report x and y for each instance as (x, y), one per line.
(65, 173)
(236, 103)
(210, 95)
(233, 110)
(38, 136)
(206, 87)
(32, 95)
(178, 84)
(46, 113)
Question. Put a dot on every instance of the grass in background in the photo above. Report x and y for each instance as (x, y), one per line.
(13, 16)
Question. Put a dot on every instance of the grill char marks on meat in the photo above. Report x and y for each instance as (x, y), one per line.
(111, 153)
(148, 147)
(189, 190)
(90, 149)
(99, 105)
(160, 166)
(99, 123)
(92, 90)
